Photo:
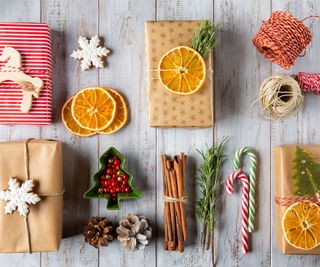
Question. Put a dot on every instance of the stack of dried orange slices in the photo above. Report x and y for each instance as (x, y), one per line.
(95, 110)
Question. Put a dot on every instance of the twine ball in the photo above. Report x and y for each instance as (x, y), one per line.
(282, 38)
(280, 97)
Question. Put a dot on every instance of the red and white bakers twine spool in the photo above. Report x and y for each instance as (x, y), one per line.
(282, 38)
(244, 204)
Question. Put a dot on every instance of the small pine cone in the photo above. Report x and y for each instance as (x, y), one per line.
(98, 231)
(134, 232)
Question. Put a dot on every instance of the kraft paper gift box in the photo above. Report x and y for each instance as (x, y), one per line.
(167, 109)
(32, 40)
(43, 224)
(284, 158)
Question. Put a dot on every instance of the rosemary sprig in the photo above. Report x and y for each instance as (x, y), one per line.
(209, 180)
(205, 39)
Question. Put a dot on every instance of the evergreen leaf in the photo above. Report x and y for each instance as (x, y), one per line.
(205, 39)
(306, 178)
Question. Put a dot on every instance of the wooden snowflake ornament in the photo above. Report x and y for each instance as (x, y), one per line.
(90, 53)
(19, 197)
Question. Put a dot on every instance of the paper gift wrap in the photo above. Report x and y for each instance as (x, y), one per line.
(167, 109)
(43, 158)
(33, 42)
(284, 157)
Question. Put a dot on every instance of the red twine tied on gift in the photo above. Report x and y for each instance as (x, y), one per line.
(288, 201)
(309, 82)
(282, 38)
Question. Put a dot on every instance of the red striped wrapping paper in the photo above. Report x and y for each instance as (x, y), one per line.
(33, 41)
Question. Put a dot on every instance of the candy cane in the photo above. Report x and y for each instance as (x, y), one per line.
(244, 204)
(252, 178)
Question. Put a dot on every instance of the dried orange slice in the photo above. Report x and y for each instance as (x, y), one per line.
(301, 225)
(121, 116)
(70, 123)
(93, 108)
(182, 70)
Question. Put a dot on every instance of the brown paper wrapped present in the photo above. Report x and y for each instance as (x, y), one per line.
(167, 109)
(41, 229)
(288, 192)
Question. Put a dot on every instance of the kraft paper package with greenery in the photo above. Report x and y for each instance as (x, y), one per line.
(297, 199)
(35, 226)
(167, 109)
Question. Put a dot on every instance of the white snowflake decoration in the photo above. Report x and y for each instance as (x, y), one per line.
(19, 197)
(90, 52)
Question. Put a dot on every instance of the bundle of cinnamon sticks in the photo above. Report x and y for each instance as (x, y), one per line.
(174, 215)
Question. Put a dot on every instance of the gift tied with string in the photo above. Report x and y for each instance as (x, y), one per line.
(179, 73)
(248, 192)
(282, 39)
(297, 198)
(31, 196)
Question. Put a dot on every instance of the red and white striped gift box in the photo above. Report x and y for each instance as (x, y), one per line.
(33, 41)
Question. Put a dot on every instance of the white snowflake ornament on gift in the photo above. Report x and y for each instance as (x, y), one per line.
(19, 197)
(90, 52)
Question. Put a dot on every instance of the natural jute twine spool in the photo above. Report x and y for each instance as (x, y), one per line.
(280, 97)
(282, 38)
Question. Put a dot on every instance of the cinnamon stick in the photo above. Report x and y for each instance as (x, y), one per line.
(179, 169)
(173, 180)
(171, 208)
(166, 214)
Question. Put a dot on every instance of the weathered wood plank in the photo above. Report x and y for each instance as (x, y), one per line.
(239, 71)
(174, 141)
(67, 20)
(14, 11)
(122, 27)
(301, 129)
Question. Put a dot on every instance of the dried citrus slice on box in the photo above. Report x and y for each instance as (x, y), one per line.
(70, 123)
(93, 108)
(121, 116)
(182, 70)
(301, 225)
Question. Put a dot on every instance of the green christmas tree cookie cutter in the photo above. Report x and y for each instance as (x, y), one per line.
(93, 192)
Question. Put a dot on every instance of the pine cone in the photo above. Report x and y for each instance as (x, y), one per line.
(98, 231)
(134, 232)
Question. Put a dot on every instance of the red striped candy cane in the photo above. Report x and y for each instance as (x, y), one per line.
(244, 204)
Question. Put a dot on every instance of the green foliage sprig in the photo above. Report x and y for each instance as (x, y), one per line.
(209, 180)
(205, 39)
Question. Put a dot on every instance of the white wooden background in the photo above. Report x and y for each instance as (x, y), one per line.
(239, 70)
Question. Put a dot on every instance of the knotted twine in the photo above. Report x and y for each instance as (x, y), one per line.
(183, 199)
(282, 38)
(27, 174)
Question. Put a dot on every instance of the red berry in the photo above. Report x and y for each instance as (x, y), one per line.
(105, 190)
(127, 189)
(117, 161)
(109, 171)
